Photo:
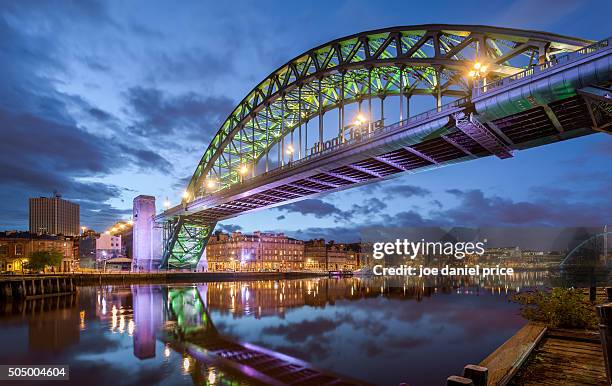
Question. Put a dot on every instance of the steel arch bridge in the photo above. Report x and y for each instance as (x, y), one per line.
(492, 90)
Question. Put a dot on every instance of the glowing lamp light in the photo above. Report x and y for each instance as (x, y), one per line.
(122, 226)
(212, 378)
(290, 149)
(186, 364)
(166, 352)
(131, 222)
(185, 194)
(244, 169)
(478, 70)
(360, 119)
(107, 233)
(210, 184)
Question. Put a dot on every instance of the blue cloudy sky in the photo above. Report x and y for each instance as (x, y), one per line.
(107, 100)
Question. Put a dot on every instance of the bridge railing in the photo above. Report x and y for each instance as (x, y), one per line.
(425, 116)
(422, 117)
(482, 89)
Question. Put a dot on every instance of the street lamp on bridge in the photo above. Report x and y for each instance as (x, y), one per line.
(360, 119)
(211, 184)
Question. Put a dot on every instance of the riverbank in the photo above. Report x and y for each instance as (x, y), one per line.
(93, 278)
(541, 355)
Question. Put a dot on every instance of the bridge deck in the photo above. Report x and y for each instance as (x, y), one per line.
(329, 173)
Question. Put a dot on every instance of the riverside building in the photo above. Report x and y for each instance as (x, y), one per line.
(17, 247)
(254, 252)
(322, 256)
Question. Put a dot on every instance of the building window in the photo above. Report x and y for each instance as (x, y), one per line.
(18, 249)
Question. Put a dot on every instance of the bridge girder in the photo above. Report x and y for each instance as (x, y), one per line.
(400, 61)
(185, 239)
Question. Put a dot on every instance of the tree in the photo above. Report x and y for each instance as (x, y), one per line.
(39, 260)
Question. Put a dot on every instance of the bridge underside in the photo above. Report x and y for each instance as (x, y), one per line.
(557, 121)
(519, 131)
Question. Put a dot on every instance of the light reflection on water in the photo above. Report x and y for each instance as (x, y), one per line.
(379, 331)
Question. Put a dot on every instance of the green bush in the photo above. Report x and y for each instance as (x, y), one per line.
(560, 307)
(41, 259)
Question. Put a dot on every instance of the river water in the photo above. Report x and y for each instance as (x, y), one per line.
(370, 329)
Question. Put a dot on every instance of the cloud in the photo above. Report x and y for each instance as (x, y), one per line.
(393, 189)
(229, 228)
(189, 114)
(44, 147)
(322, 209)
(304, 330)
(477, 209)
(315, 207)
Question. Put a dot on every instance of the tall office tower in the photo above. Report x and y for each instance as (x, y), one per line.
(54, 216)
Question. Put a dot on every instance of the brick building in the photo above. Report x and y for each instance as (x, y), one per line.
(254, 252)
(16, 248)
(322, 256)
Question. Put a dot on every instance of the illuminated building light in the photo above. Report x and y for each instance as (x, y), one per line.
(212, 377)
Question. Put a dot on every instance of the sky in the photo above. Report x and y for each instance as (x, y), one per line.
(103, 101)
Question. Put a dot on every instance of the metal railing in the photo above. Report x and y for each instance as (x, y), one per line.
(482, 89)
(424, 116)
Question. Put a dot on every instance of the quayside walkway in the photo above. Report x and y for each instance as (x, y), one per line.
(564, 357)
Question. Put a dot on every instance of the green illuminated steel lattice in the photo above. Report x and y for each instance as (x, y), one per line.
(184, 242)
(401, 61)
(186, 308)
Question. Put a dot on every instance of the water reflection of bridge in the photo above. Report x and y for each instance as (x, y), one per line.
(181, 313)
(183, 316)
(188, 328)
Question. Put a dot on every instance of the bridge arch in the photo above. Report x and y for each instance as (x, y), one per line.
(392, 62)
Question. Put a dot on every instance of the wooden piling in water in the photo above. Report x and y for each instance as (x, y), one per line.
(455, 380)
(478, 374)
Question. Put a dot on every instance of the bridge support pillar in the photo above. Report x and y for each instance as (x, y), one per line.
(146, 238)
(148, 316)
